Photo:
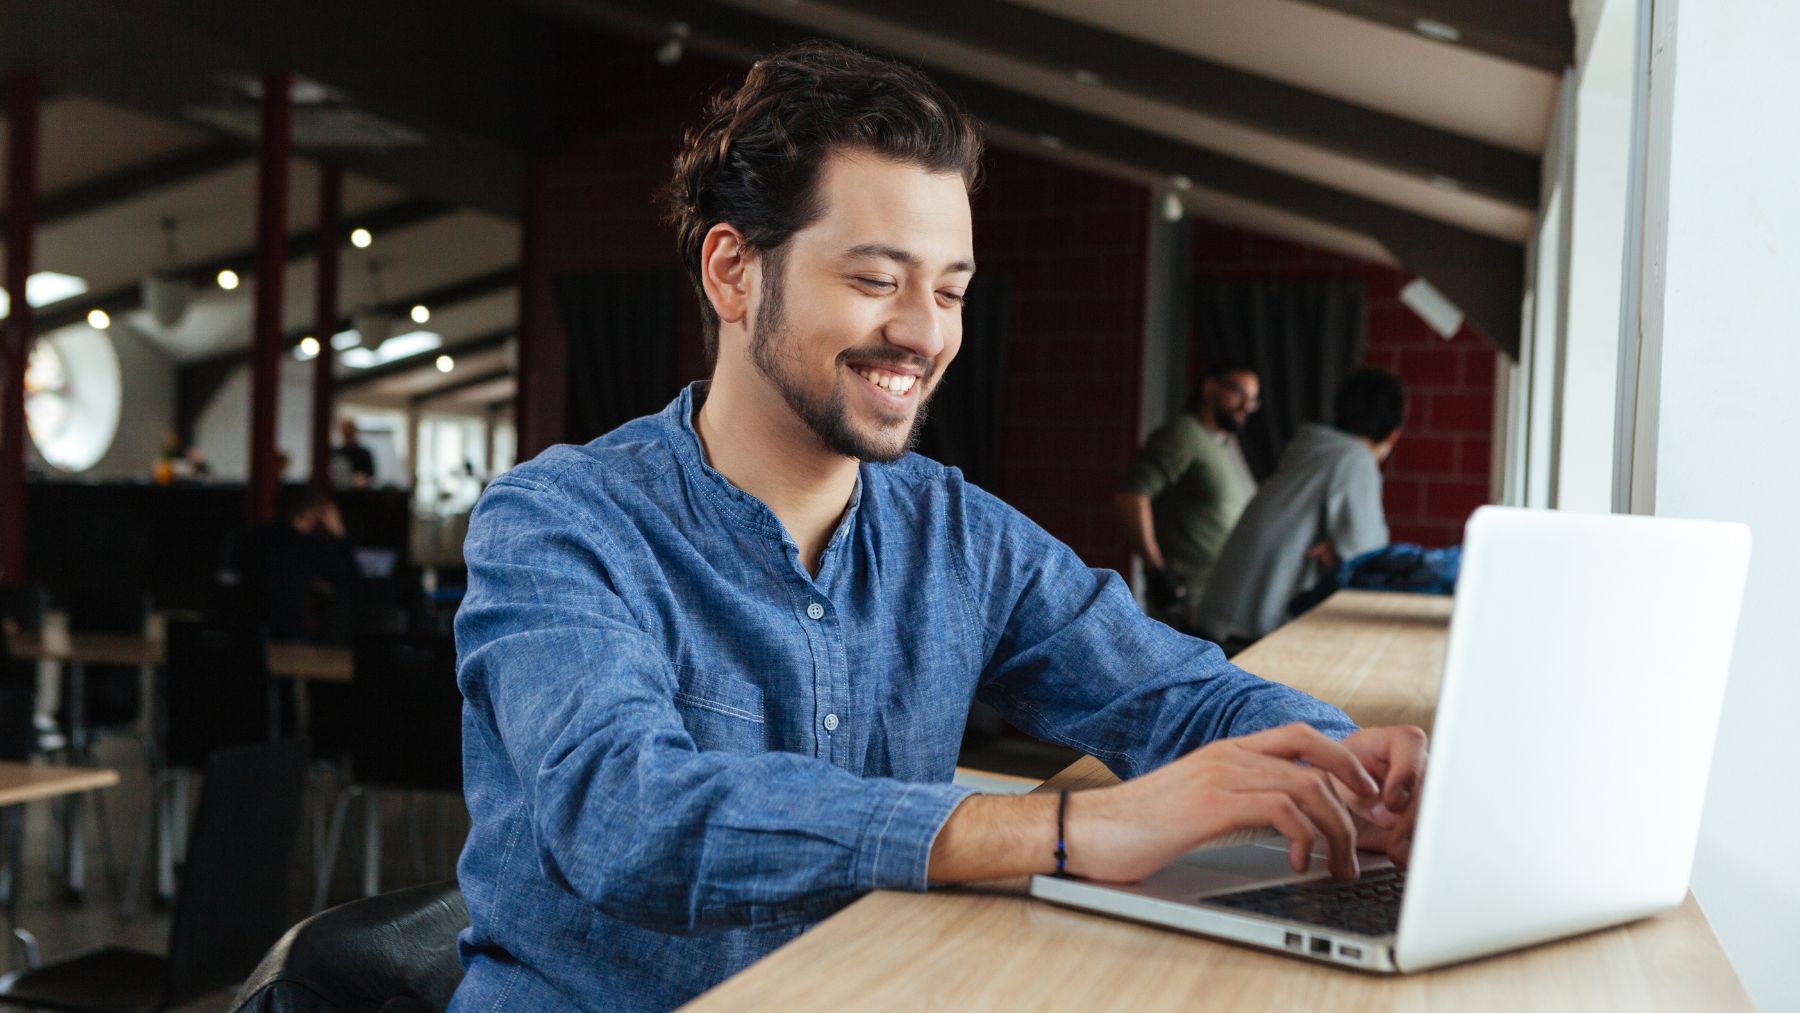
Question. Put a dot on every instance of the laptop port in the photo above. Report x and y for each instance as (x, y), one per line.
(1353, 952)
(1295, 941)
(1321, 946)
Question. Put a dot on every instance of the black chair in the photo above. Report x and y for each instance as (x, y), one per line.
(215, 695)
(406, 734)
(395, 953)
(111, 702)
(232, 904)
(18, 741)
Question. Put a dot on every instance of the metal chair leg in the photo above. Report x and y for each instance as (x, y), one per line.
(371, 844)
(28, 946)
(327, 859)
(415, 843)
(150, 833)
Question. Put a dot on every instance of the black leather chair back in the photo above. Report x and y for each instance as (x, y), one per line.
(112, 696)
(18, 686)
(216, 691)
(395, 952)
(406, 713)
(233, 899)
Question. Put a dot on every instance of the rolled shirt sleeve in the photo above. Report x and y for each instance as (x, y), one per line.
(1076, 662)
(626, 811)
(1355, 521)
(1165, 457)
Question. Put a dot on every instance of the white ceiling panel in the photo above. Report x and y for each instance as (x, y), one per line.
(1373, 65)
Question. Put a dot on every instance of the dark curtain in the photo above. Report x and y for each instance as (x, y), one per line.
(963, 428)
(620, 328)
(1302, 338)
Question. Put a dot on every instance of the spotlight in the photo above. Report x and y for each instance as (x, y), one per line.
(1172, 208)
(98, 320)
(420, 314)
(228, 279)
(309, 346)
(669, 50)
(445, 363)
(360, 238)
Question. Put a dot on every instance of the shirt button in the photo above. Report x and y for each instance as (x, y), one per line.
(831, 722)
(815, 611)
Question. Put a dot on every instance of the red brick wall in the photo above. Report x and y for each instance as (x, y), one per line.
(610, 124)
(1073, 248)
(1439, 470)
(1071, 244)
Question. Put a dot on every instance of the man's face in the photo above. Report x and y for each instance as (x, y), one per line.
(861, 312)
(1233, 398)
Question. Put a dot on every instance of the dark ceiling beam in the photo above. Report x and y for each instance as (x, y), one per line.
(1484, 276)
(1162, 75)
(469, 289)
(125, 298)
(1538, 33)
(84, 198)
(196, 381)
(457, 386)
(475, 345)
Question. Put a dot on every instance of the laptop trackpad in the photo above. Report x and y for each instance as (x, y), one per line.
(1213, 870)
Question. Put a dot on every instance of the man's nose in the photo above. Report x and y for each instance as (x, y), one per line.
(916, 325)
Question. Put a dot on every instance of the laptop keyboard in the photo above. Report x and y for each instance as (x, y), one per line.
(1369, 906)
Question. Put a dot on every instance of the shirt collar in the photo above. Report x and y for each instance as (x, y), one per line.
(684, 443)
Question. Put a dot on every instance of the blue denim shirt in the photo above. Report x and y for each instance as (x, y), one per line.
(681, 748)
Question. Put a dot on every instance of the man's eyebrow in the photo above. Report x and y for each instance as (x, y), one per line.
(899, 256)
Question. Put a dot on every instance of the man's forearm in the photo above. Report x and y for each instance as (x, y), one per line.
(1140, 527)
(995, 837)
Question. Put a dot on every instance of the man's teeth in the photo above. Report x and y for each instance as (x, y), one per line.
(893, 382)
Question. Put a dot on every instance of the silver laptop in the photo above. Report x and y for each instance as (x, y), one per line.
(1573, 735)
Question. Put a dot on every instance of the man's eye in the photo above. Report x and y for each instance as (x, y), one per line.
(955, 297)
(879, 284)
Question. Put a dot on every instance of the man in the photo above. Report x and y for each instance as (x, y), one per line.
(717, 662)
(1322, 506)
(296, 572)
(1187, 489)
(352, 465)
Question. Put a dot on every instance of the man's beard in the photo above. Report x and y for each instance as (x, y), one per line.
(828, 418)
(1227, 422)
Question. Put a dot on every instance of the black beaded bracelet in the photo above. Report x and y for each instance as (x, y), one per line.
(1062, 811)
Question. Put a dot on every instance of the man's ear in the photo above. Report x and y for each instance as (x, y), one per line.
(724, 268)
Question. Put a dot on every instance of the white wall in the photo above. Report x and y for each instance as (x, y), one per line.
(1598, 176)
(146, 411)
(222, 432)
(1718, 413)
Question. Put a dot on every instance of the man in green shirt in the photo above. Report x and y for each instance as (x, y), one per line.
(1187, 489)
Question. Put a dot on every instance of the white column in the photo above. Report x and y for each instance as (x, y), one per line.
(1718, 412)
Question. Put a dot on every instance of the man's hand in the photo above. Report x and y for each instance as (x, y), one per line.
(1395, 756)
(1128, 831)
(1161, 587)
(1324, 555)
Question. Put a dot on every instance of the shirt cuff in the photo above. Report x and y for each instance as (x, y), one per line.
(896, 844)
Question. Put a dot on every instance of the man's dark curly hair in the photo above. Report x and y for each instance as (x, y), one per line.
(754, 160)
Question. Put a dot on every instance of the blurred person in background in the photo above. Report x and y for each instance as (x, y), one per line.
(1186, 490)
(1320, 507)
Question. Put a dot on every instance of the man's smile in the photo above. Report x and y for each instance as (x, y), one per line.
(900, 385)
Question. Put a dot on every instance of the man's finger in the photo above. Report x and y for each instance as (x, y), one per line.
(1303, 742)
(1275, 809)
(1316, 795)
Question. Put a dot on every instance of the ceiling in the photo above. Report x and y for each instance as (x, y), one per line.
(1408, 131)
(1348, 124)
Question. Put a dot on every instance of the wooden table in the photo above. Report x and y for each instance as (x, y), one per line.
(74, 651)
(306, 662)
(990, 947)
(31, 782)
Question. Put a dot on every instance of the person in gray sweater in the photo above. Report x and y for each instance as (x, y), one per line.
(1322, 506)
